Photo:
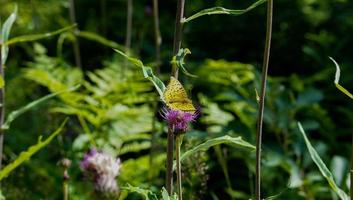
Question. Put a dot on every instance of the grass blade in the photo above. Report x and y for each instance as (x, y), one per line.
(30, 151)
(14, 114)
(222, 11)
(5, 32)
(99, 39)
(147, 73)
(29, 38)
(232, 141)
(322, 167)
(337, 78)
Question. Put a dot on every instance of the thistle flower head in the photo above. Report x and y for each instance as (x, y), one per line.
(178, 120)
(103, 168)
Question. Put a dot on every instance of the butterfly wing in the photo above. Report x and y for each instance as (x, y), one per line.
(175, 91)
(176, 97)
(183, 106)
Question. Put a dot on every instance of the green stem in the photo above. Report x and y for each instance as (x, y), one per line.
(169, 173)
(351, 171)
(65, 190)
(2, 107)
(262, 98)
(158, 42)
(176, 47)
(178, 139)
(128, 25)
(178, 33)
(222, 161)
(76, 43)
(158, 38)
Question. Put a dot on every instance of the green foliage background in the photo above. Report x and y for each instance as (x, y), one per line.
(115, 108)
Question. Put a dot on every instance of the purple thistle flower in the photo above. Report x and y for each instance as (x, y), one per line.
(103, 168)
(178, 120)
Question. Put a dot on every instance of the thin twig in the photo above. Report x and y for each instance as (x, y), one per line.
(158, 38)
(262, 98)
(158, 41)
(178, 33)
(351, 172)
(2, 107)
(76, 43)
(129, 7)
(129, 24)
(176, 47)
(178, 139)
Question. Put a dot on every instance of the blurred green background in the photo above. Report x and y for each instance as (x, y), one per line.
(115, 109)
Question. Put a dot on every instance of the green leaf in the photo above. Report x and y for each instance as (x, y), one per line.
(179, 60)
(14, 114)
(29, 38)
(232, 141)
(97, 38)
(25, 155)
(337, 78)
(5, 32)
(220, 10)
(2, 197)
(322, 167)
(2, 82)
(166, 196)
(147, 73)
(147, 194)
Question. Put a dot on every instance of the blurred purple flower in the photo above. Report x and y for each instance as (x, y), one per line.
(103, 168)
(178, 120)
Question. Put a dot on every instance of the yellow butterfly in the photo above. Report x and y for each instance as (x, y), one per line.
(176, 97)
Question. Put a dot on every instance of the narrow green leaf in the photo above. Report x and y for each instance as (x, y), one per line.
(97, 38)
(220, 10)
(232, 141)
(25, 155)
(147, 73)
(14, 114)
(322, 167)
(2, 82)
(337, 79)
(29, 38)
(5, 32)
(276, 196)
(178, 60)
(6, 28)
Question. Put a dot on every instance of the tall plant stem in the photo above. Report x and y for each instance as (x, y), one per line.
(76, 43)
(176, 47)
(65, 190)
(178, 33)
(178, 140)
(157, 33)
(158, 41)
(351, 172)
(66, 163)
(2, 107)
(262, 98)
(169, 173)
(128, 25)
